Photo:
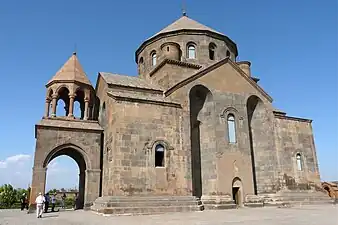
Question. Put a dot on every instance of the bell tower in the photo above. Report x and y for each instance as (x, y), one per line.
(65, 131)
(70, 84)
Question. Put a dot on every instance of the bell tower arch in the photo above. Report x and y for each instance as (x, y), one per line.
(66, 130)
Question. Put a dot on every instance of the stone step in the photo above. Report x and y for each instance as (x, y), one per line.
(145, 205)
(144, 198)
(146, 210)
(304, 198)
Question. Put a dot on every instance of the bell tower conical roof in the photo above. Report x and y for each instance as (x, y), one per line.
(70, 71)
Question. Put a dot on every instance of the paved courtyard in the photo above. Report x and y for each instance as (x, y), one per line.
(309, 215)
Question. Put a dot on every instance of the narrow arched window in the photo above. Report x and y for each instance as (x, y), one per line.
(231, 128)
(159, 155)
(228, 54)
(212, 48)
(191, 51)
(141, 60)
(299, 162)
(153, 59)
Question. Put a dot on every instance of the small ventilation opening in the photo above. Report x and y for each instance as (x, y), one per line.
(168, 49)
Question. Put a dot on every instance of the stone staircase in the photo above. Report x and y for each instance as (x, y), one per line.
(143, 205)
(294, 198)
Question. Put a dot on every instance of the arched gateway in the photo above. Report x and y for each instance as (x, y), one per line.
(77, 137)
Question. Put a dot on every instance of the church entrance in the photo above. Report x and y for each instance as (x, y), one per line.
(235, 195)
(237, 191)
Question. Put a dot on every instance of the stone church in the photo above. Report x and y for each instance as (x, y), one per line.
(194, 130)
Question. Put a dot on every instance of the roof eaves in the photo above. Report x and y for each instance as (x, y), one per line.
(173, 62)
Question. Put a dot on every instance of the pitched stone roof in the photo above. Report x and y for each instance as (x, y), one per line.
(128, 81)
(71, 71)
(136, 97)
(184, 23)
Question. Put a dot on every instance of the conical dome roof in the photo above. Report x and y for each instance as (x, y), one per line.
(71, 71)
(186, 23)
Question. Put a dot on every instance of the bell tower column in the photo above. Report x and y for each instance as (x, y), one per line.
(47, 107)
(54, 102)
(86, 109)
(71, 105)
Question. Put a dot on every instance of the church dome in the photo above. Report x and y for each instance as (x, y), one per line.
(198, 44)
(185, 23)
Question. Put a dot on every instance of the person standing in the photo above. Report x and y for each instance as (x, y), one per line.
(47, 200)
(40, 201)
(63, 199)
(75, 204)
(26, 203)
(53, 202)
(23, 201)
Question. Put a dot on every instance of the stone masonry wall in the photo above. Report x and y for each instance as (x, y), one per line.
(135, 129)
(230, 92)
(295, 136)
(170, 74)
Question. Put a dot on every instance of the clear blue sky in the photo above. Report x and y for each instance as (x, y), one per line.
(292, 46)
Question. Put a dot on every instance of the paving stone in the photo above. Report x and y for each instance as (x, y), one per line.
(309, 215)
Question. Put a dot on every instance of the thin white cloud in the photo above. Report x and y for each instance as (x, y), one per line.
(53, 167)
(16, 170)
(13, 160)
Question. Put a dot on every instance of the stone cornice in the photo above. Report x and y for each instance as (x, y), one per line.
(68, 82)
(281, 116)
(145, 101)
(173, 62)
(211, 68)
(38, 126)
(68, 124)
(155, 38)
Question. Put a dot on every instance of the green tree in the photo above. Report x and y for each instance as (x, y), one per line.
(20, 192)
(53, 191)
(7, 195)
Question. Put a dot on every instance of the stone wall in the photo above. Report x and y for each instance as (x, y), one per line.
(295, 136)
(135, 129)
(170, 74)
(230, 94)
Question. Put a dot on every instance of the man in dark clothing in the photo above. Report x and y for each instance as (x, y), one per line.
(76, 199)
(47, 202)
(23, 201)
